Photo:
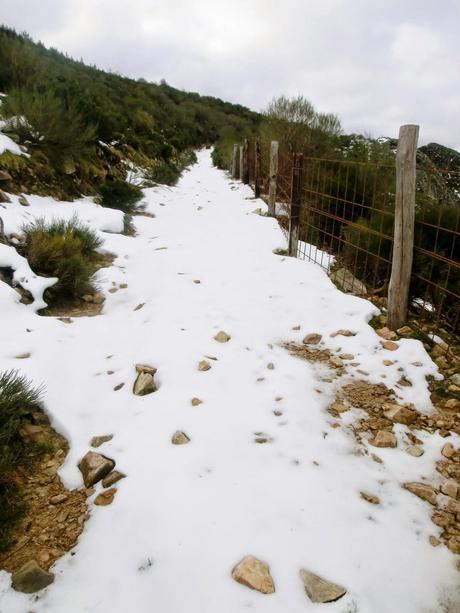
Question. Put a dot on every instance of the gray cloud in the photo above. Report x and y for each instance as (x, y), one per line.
(376, 64)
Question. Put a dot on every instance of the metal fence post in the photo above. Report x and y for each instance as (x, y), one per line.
(273, 178)
(234, 161)
(245, 173)
(294, 211)
(257, 169)
(403, 246)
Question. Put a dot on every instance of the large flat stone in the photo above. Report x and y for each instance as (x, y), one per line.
(320, 590)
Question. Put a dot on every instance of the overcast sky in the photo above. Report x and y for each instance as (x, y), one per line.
(376, 63)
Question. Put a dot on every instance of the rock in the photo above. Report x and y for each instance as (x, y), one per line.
(434, 541)
(97, 441)
(448, 450)
(382, 438)
(386, 333)
(5, 176)
(150, 370)
(204, 365)
(58, 499)
(415, 450)
(31, 578)
(454, 544)
(144, 384)
(112, 478)
(452, 489)
(399, 414)
(348, 282)
(179, 438)
(312, 339)
(423, 491)
(404, 331)
(123, 285)
(388, 362)
(335, 362)
(196, 402)
(320, 590)
(343, 333)
(222, 337)
(369, 498)
(139, 306)
(271, 366)
(94, 467)
(295, 328)
(23, 201)
(197, 281)
(455, 379)
(32, 434)
(389, 345)
(105, 498)
(255, 574)
(454, 389)
(23, 356)
(118, 387)
(452, 403)
(4, 198)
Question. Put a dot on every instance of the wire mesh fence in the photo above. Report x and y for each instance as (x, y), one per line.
(346, 225)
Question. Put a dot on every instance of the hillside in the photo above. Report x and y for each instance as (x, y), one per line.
(82, 126)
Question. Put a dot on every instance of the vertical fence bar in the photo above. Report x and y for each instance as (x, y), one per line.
(273, 178)
(240, 175)
(234, 161)
(294, 210)
(403, 246)
(257, 169)
(245, 173)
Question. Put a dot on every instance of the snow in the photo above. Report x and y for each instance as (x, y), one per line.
(195, 510)
(307, 251)
(8, 144)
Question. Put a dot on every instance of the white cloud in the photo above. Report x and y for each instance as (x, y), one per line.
(376, 64)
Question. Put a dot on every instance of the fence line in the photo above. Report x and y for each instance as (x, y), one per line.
(379, 229)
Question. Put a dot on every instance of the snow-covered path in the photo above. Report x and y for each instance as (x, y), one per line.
(185, 515)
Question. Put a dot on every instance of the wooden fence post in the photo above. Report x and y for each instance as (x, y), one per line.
(245, 173)
(403, 246)
(257, 169)
(273, 178)
(234, 161)
(240, 174)
(294, 211)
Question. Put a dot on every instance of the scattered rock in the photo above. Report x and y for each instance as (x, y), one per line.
(389, 345)
(271, 366)
(139, 306)
(196, 402)
(112, 478)
(277, 413)
(222, 337)
(312, 339)
(4, 198)
(118, 387)
(386, 333)
(383, 438)
(105, 498)
(123, 285)
(320, 590)
(96, 298)
(370, 498)
(295, 328)
(197, 281)
(94, 467)
(388, 362)
(150, 370)
(22, 356)
(179, 438)
(97, 441)
(423, 491)
(31, 578)
(204, 365)
(254, 574)
(23, 201)
(335, 361)
(404, 331)
(399, 414)
(448, 450)
(452, 489)
(348, 282)
(58, 499)
(415, 450)
(434, 541)
(144, 384)
(343, 333)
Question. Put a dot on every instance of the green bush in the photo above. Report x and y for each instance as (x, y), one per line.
(120, 195)
(63, 249)
(18, 399)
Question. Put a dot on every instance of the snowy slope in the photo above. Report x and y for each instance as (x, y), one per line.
(195, 510)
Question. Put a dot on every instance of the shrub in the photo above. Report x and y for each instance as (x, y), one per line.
(63, 249)
(120, 195)
(18, 399)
